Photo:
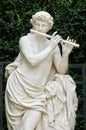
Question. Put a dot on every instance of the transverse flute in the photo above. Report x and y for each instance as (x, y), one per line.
(49, 36)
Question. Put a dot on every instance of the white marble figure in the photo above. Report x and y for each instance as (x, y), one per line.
(39, 95)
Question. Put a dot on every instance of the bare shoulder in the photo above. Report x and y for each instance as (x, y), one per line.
(25, 39)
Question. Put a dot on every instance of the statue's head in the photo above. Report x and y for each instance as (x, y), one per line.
(44, 17)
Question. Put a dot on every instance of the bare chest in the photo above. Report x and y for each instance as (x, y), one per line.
(38, 47)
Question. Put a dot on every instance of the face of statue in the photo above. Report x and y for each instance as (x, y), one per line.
(41, 26)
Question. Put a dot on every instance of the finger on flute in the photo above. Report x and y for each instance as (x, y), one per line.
(48, 36)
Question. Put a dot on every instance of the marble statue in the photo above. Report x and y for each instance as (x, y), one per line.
(39, 94)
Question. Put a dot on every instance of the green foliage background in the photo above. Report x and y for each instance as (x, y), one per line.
(69, 18)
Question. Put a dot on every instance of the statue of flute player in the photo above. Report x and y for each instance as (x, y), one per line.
(39, 96)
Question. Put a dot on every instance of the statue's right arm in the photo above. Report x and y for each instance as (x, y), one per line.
(33, 59)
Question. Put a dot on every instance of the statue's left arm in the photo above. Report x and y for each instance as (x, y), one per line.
(61, 61)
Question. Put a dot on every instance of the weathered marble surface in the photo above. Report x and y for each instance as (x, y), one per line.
(39, 95)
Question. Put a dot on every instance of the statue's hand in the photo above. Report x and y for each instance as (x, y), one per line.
(55, 39)
(67, 48)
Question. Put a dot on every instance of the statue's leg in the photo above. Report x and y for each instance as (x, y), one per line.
(30, 120)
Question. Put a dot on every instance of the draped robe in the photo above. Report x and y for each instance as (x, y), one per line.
(57, 100)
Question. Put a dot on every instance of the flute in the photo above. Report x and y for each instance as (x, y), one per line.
(49, 36)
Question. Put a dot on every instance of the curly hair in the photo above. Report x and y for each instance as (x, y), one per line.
(43, 16)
